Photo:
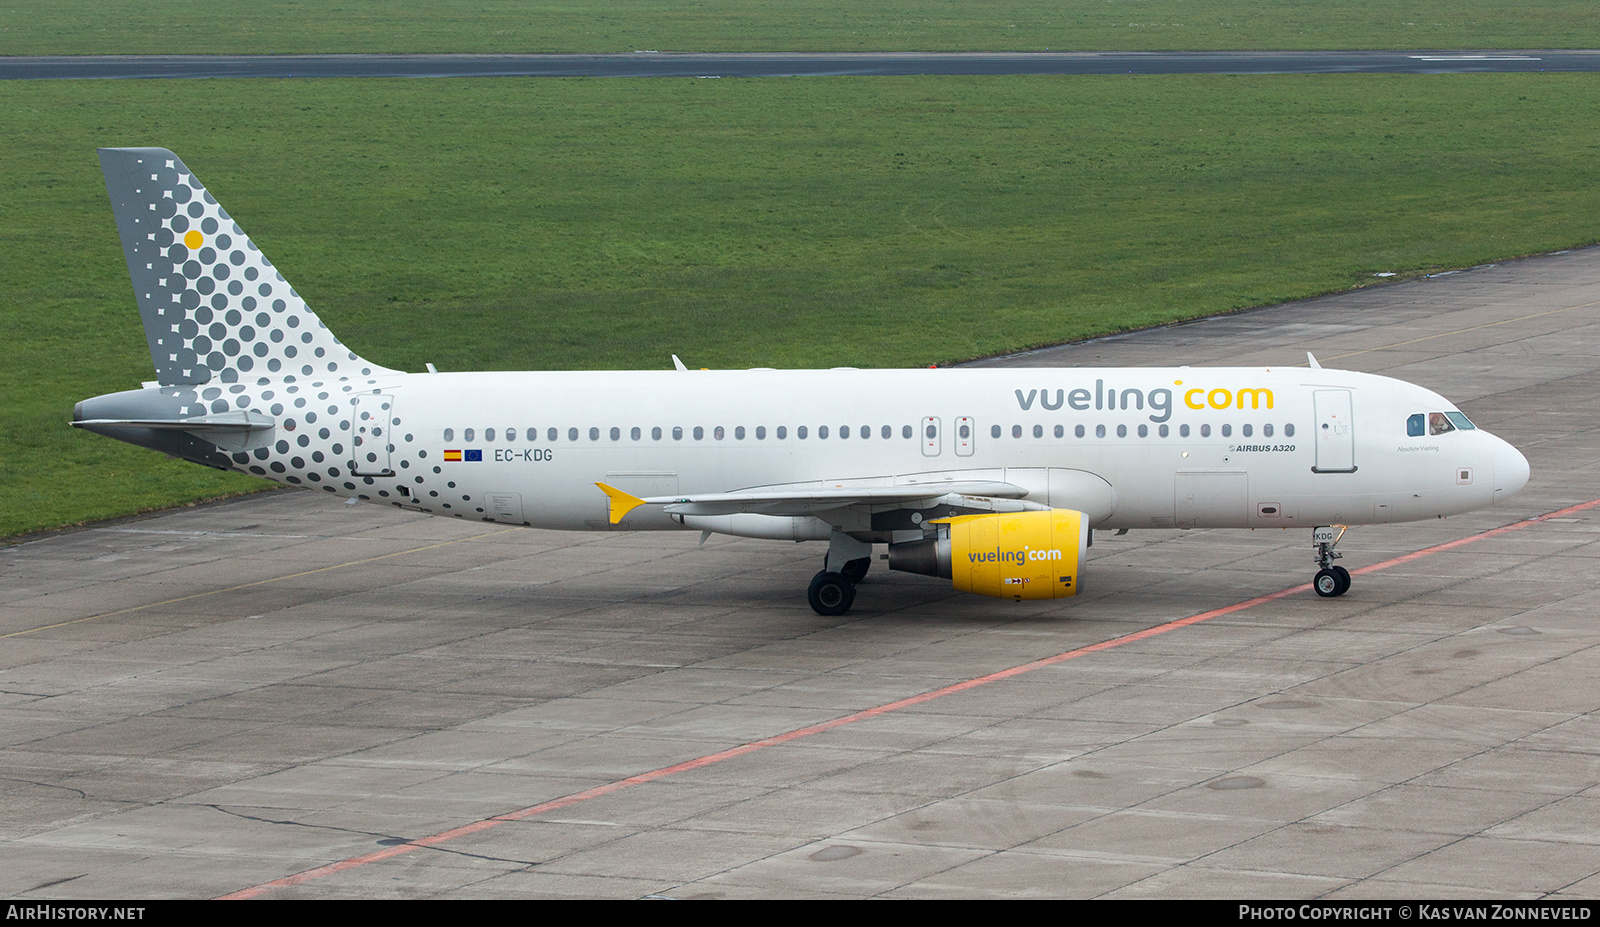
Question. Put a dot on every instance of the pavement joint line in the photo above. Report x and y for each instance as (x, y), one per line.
(446, 836)
(1461, 331)
(259, 582)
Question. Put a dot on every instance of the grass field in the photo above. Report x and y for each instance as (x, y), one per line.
(874, 222)
(35, 27)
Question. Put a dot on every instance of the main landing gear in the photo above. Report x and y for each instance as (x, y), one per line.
(833, 592)
(1330, 580)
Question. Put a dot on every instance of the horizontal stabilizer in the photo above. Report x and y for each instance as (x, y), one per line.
(227, 421)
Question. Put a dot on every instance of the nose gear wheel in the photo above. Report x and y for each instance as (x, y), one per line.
(1330, 580)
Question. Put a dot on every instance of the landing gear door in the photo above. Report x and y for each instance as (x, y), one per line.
(369, 434)
(930, 437)
(1336, 438)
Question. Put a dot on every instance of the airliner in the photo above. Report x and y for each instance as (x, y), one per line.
(992, 479)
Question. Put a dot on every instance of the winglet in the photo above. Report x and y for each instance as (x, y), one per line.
(1311, 359)
(621, 503)
(678, 364)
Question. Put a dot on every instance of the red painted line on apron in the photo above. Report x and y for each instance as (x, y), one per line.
(798, 733)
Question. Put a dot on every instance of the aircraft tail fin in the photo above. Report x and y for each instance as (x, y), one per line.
(213, 306)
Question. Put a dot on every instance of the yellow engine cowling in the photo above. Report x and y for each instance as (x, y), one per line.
(1010, 555)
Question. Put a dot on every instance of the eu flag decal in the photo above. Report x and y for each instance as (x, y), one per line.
(472, 455)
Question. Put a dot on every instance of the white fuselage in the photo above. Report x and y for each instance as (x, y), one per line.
(939, 464)
(1265, 447)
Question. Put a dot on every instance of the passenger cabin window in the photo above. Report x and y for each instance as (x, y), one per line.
(466, 435)
(449, 434)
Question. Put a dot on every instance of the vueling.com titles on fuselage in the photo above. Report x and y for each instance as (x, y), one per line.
(1159, 401)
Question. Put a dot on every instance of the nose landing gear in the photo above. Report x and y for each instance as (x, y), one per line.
(1330, 580)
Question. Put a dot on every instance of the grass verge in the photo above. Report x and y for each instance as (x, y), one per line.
(810, 222)
(120, 27)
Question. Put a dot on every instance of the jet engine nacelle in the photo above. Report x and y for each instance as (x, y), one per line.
(1010, 555)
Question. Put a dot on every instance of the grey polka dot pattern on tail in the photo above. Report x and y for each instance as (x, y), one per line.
(230, 337)
(187, 258)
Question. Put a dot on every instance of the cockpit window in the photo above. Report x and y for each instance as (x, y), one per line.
(1436, 423)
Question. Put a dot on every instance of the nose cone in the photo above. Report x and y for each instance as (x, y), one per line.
(1510, 470)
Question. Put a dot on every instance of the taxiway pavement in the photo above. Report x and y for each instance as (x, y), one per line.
(374, 704)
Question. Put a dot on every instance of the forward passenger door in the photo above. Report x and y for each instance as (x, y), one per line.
(1336, 439)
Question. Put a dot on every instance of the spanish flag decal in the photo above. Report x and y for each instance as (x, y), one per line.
(452, 455)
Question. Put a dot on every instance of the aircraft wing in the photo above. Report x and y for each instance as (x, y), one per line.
(788, 500)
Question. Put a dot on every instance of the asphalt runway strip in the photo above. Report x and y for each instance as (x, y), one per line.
(710, 759)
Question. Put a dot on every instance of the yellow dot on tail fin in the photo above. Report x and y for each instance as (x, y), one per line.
(193, 240)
